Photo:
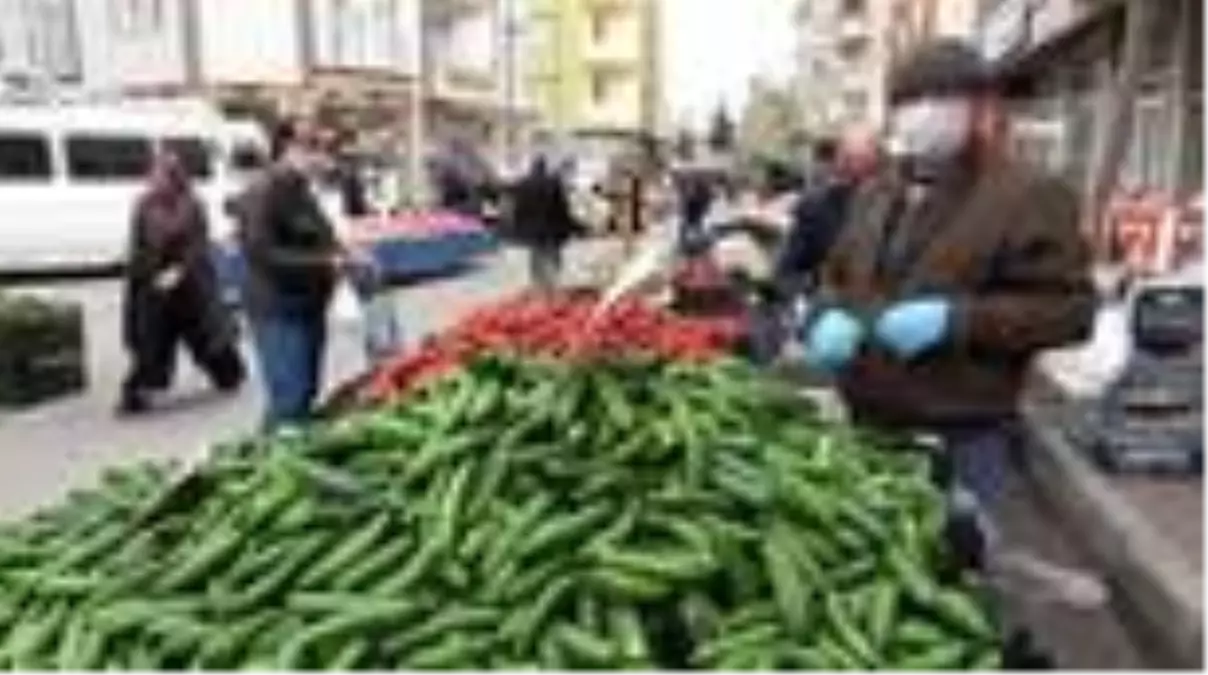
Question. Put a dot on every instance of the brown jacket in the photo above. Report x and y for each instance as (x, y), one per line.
(1005, 246)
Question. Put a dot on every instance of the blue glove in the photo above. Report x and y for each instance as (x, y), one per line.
(832, 340)
(913, 327)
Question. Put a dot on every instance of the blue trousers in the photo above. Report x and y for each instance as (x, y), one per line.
(290, 347)
(980, 458)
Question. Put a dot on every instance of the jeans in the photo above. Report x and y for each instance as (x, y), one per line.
(545, 266)
(980, 458)
(290, 348)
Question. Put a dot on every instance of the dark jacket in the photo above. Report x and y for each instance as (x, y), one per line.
(541, 212)
(817, 219)
(195, 296)
(1005, 245)
(696, 195)
(288, 245)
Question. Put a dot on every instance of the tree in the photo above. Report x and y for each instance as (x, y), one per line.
(721, 131)
(771, 124)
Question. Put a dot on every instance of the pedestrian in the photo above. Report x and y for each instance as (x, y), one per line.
(696, 198)
(956, 266)
(171, 291)
(293, 262)
(822, 209)
(543, 223)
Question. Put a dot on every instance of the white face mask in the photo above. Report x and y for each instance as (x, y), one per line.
(932, 128)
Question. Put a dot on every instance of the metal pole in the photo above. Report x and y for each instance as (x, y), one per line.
(419, 97)
(510, 29)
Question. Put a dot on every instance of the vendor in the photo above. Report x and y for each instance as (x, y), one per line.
(956, 266)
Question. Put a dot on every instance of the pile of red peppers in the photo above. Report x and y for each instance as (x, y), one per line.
(561, 326)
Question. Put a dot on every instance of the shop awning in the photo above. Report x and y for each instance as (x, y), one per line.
(1019, 68)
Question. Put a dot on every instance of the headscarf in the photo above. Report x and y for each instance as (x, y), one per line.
(168, 203)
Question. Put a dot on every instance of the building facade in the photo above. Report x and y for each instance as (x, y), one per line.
(39, 47)
(843, 56)
(401, 78)
(595, 66)
(1066, 54)
(914, 21)
(352, 62)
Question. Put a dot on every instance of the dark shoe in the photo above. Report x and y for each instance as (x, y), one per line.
(133, 404)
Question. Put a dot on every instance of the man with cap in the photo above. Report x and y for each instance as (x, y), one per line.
(955, 267)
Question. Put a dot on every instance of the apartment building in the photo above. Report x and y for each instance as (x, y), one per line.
(474, 61)
(843, 57)
(595, 67)
(914, 21)
(352, 61)
(39, 47)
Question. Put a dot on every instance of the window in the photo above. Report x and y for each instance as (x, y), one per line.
(24, 157)
(111, 158)
(1191, 174)
(247, 157)
(193, 153)
(137, 17)
(599, 26)
(856, 102)
(853, 50)
(599, 88)
(853, 7)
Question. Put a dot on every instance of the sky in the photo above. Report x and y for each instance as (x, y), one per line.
(713, 48)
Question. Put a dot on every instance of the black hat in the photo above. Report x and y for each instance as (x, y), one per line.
(946, 66)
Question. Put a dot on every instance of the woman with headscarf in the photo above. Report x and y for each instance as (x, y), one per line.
(172, 291)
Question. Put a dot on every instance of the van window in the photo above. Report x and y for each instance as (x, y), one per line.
(193, 153)
(247, 157)
(24, 157)
(108, 158)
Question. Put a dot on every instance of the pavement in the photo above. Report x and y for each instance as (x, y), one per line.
(49, 449)
(1144, 532)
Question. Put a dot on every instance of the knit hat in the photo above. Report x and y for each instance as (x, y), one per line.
(940, 67)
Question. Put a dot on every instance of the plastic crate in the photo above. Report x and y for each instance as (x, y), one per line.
(42, 353)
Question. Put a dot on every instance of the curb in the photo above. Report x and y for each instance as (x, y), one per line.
(1160, 592)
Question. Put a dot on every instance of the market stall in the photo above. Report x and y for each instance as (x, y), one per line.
(606, 492)
(406, 245)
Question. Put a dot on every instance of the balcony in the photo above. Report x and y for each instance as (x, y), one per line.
(611, 5)
(617, 52)
(854, 26)
(446, 11)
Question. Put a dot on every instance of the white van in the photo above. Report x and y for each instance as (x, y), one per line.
(69, 176)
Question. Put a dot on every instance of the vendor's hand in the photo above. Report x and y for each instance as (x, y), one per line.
(832, 340)
(169, 278)
(914, 327)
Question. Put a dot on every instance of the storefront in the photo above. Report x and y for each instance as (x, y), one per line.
(1063, 57)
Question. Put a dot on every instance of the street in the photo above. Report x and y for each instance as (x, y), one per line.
(50, 448)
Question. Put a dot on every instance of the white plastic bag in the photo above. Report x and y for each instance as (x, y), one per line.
(1087, 370)
(346, 306)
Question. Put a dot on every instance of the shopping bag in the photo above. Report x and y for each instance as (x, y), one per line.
(383, 334)
(345, 305)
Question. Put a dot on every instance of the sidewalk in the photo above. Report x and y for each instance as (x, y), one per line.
(1146, 532)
